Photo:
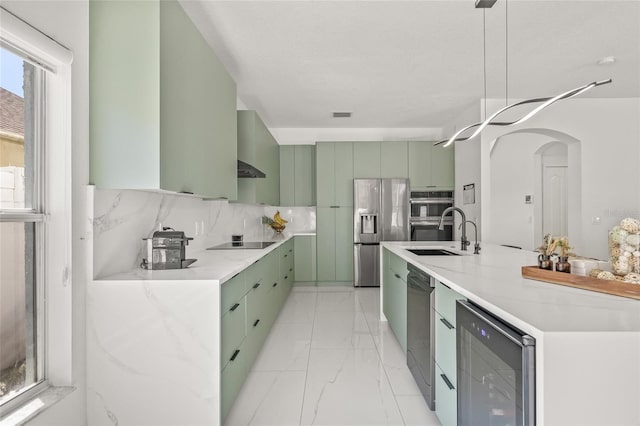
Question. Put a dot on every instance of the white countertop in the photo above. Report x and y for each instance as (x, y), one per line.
(493, 280)
(212, 265)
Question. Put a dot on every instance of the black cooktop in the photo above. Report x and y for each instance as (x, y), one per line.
(242, 245)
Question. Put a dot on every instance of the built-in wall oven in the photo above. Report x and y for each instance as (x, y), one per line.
(426, 209)
(495, 370)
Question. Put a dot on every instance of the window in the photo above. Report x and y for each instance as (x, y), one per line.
(35, 298)
(22, 226)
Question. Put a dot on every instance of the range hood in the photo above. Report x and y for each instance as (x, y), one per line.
(248, 171)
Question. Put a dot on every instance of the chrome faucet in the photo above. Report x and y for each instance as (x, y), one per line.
(463, 239)
(476, 246)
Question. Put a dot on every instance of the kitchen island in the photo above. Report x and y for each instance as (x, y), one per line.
(587, 343)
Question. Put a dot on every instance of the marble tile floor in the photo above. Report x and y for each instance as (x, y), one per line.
(329, 361)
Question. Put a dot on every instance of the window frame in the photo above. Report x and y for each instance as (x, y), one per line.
(52, 199)
(35, 214)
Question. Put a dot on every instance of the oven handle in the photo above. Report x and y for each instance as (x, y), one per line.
(521, 340)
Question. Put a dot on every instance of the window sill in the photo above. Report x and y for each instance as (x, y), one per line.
(39, 403)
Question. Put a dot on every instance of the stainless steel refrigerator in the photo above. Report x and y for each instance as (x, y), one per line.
(380, 213)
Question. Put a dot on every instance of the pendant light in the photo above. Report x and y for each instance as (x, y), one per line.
(543, 102)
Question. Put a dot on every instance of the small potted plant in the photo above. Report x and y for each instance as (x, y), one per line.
(563, 265)
(546, 250)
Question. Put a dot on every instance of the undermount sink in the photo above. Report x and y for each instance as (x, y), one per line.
(432, 252)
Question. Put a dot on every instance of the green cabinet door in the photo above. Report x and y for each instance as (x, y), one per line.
(326, 243)
(325, 174)
(442, 167)
(334, 174)
(446, 399)
(198, 130)
(420, 165)
(387, 285)
(231, 379)
(305, 258)
(344, 243)
(257, 147)
(156, 106)
(305, 174)
(366, 160)
(394, 160)
(287, 175)
(343, 158)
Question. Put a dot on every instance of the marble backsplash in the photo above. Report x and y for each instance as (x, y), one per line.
(122, 218)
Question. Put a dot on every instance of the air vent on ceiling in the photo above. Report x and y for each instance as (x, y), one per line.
(485, 4)
(341, 115)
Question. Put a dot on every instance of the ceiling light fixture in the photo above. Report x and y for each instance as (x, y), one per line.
(485, 4)
(544, 102)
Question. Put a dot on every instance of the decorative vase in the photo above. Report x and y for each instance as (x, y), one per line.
(563, 265)
(545, 262)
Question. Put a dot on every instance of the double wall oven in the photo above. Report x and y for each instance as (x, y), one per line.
(426, 209)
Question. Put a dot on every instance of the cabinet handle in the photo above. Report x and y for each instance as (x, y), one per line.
(397, 276)
(334, 207)
(235, 354)
(275, 284)
(256, 285)
(286, 276)
(256, 323)
(290, 269)
(234, 307)
(286, 255)
(447, 323)
(447, 381)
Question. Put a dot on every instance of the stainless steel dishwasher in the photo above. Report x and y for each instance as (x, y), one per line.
(421, 331)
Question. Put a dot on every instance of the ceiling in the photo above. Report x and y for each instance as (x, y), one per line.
(404, 64)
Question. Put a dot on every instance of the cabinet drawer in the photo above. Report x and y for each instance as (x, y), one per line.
(257, 332)
(446, 346)
(232, 378)
(398, 266)
(232, 290)
(233, 331)
(446, 301)
(446, 399)
(255, 273)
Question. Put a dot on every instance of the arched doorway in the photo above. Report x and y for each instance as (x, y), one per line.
(527, 171)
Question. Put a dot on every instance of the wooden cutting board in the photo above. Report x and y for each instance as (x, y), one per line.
(616, 288)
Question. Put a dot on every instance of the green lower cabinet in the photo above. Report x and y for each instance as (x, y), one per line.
(334, 244)
(233, 328)
(232, 378)
(395, 295)
(446, 368)
(326, 243)
(305, 258)
(446, 399)
(247, 318)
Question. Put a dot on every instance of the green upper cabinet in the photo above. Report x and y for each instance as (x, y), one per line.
(334, 174)
(366, 160)
(394, 160)
(430, 167)
(297, 175)
(257, 147)
(161, 116)
(442, 167)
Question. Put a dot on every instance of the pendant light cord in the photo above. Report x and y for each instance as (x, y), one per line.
(506, 52)
(484, 58)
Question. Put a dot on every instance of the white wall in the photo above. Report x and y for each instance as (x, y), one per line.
(467, 169)
(309, 136)
(608, 131)
(68, 23)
